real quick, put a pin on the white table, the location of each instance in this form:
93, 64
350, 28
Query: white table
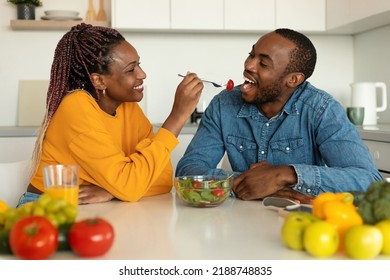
162, 228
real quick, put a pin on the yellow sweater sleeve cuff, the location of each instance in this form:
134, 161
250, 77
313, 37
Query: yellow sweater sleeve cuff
166, 137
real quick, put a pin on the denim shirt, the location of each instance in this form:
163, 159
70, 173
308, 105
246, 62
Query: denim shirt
312, 134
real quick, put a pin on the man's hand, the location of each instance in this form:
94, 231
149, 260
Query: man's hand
263, 179
289, 193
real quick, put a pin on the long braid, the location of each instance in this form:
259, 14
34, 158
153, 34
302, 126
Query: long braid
83, 50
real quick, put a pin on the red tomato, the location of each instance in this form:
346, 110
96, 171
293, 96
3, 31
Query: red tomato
91, 237
218, 192
33, 238
229, 85
197, 185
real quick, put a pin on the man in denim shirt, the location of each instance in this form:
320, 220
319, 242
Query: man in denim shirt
283, 137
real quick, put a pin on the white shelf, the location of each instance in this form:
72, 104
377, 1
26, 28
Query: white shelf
50, 24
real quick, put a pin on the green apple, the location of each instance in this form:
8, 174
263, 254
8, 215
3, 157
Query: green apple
363, 242
293, 228
384, 227
321, 239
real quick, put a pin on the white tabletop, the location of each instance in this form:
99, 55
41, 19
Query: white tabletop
162, 228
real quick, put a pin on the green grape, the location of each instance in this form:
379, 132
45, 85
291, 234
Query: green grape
26, 209
9, 223
53, 219
2, 219
55, 205
9, 217
57, 210
11, 213
71, 213
61, 218
38, 210
43, 200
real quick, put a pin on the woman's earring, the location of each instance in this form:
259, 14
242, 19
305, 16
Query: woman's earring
104, 92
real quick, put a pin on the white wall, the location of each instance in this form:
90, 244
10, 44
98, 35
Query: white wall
27, 55
372, 61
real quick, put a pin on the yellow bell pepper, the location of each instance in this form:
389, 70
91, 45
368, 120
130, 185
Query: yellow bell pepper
338, 210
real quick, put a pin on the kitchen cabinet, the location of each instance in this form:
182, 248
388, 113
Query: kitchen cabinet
184, 141
197, 15
218, 15
354, 16
247, 15
167, 14
377, 140
178, 152
145, 14
380, 152
14, 149
360, 9
337, 13
302, 15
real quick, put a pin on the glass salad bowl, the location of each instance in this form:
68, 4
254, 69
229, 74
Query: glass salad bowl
203, 190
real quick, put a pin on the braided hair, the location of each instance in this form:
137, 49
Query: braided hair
83, 50
303, 58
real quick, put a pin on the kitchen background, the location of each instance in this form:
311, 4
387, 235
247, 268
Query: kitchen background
352, 38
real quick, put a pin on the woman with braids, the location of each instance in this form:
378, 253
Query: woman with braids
93, 120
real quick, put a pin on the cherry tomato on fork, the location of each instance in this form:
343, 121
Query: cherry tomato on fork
229, 85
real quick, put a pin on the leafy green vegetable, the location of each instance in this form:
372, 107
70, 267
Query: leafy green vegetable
207, 195
4, 242
63, 232
375, 204
191, 196
186, 183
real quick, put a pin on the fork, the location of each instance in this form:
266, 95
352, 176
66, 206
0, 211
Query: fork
207, 81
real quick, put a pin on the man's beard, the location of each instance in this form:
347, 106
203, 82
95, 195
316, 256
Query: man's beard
267, 94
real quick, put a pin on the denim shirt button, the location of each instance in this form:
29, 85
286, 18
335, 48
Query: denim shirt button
241, 146
266, 124
287, 148
299, 188
308, 190
262, 152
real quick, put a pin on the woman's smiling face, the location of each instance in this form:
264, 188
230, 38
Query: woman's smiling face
124, 83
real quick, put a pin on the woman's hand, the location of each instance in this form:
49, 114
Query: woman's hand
186, 98
93, 194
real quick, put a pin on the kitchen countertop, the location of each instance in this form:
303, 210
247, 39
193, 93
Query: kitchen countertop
189, 128
19, 131
32, 131
161, 228
380, 132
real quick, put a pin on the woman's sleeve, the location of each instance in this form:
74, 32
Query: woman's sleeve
147, 171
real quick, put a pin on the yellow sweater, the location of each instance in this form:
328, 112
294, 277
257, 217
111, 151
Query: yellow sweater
118, 153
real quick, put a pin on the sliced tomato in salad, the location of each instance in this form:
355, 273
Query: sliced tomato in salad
218, 192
